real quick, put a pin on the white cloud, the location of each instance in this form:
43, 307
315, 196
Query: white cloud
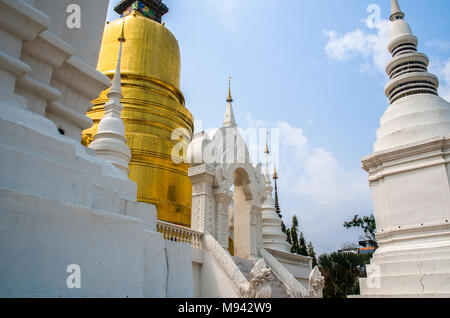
442, 70
371, 46
317, 176
317, 188
439, 44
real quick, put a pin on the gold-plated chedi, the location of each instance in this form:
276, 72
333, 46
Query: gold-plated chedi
153, 108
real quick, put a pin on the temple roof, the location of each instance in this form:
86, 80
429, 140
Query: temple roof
152, 9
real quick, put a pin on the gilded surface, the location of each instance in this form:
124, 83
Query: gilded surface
153, 109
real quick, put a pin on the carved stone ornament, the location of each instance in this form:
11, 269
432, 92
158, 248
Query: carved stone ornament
259, 285
316, 283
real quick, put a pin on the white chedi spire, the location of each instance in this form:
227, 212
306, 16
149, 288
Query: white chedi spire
110, 142
273, 236
396, 11
229, 114
416, 111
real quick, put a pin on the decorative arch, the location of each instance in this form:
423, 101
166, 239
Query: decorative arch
212, 178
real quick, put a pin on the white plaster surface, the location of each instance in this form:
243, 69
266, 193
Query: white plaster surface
59, 203
410, 181
41, 237
214, 283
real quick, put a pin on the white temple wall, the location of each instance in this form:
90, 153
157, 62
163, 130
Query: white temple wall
84, 40
180, 283
39, 238
87, 43
197, 264
155, 272
213, 282
404, 188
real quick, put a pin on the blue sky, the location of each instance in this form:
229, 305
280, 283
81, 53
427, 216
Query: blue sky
313, 69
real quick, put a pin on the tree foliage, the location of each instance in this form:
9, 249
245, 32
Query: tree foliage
283, 228
297, 240
342, 272
288, 236
294, 235
302, 249
366, 223
312, 254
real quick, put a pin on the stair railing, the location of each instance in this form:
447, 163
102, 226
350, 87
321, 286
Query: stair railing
176, 233
226, 262
294, 288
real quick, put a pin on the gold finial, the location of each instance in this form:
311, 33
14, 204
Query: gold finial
122, 35
267, 143
275, 176
229, 99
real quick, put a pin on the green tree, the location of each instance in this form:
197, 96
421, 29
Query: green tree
341, 272
283, 228
296, 239
295, 248
302, 249
288, 236
312, 254
366, 223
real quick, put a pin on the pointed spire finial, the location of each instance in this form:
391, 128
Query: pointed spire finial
396, 12
277, 204
122, 34
229, 114
229, 99
116, 87
110, 141
267, 152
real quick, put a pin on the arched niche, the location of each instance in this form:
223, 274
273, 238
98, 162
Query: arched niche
216, 181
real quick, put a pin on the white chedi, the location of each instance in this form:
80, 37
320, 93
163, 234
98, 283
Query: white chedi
110, 142
408, 175
416, 111
273, 236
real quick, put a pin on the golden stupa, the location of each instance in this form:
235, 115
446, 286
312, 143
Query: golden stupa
154, 107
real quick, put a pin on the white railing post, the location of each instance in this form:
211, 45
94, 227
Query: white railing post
180, 234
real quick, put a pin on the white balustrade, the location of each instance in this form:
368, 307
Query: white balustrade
176, 233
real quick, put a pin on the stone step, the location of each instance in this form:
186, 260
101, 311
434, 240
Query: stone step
245, 266
243, 260
279, 293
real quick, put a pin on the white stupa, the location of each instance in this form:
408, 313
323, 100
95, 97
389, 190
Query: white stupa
409, 174
273, 236
110, 142
416, 112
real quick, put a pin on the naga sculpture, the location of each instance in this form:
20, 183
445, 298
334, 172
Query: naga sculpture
259, 285
316, 283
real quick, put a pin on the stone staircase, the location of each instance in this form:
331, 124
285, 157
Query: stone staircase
246, 266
